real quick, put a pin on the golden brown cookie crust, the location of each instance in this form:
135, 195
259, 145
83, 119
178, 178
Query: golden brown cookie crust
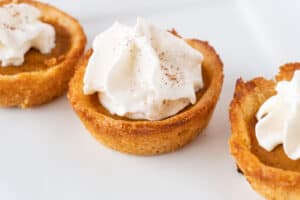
271, 174
26, 89
150, 137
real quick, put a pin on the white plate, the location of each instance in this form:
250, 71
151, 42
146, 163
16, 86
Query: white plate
46, 153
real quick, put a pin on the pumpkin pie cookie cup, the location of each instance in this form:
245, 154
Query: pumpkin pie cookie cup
42, 77
144, 137
272, 174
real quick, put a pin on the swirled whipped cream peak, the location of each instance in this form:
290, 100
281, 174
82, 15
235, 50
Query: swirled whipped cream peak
20, 30
143, 72
279, 117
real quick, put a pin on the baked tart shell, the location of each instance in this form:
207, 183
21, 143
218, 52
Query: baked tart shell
37, 86
143, 137
272, 174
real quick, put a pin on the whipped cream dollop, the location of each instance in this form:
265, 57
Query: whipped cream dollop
279, 117
20, 30
143, 72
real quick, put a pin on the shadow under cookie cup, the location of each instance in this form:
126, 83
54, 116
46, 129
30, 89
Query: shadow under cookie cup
272, 174
144, 137
43, 77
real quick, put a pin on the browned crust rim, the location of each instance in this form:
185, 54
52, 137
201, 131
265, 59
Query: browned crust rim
240, 145
192, 120
27, 89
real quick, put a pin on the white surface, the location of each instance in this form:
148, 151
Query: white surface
46, 153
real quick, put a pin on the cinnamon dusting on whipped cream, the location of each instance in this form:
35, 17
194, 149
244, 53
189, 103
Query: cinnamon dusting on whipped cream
143, 72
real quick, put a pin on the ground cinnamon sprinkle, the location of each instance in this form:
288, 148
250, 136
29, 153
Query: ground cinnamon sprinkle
16, 14
7, 26
172, 77
172, 73
161, 56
